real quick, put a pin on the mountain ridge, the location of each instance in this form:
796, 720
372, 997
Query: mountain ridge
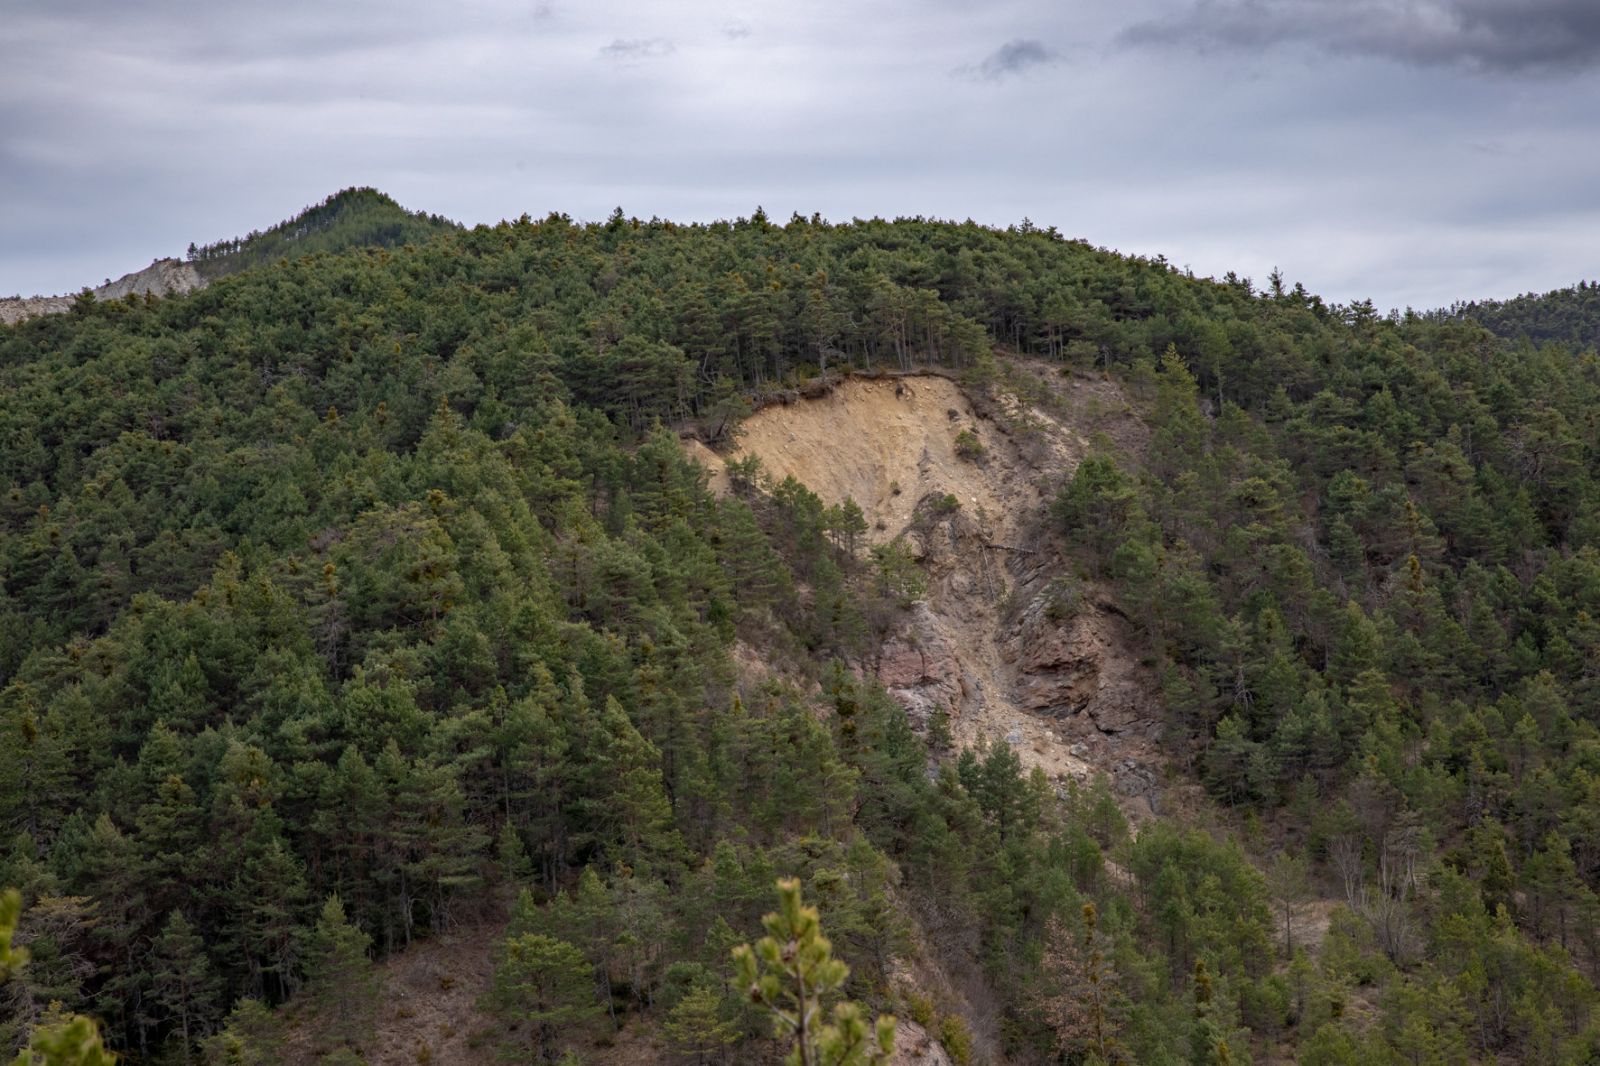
356, 217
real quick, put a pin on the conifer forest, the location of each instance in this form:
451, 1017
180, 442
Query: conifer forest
375, 603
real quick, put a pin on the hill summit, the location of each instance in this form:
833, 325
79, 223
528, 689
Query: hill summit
349, 219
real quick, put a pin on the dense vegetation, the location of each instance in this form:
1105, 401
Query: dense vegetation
350, 218
357, 592
1569, 316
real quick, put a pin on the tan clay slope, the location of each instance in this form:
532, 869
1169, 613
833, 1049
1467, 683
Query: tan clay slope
871, 437
1064, 689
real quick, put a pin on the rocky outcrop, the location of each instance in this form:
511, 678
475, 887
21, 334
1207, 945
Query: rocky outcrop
1075, 663
920, 668
163, 277
914, 1046
1079, 664
16, 308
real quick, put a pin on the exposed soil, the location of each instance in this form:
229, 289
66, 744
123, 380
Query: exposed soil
1008, 643
885, 443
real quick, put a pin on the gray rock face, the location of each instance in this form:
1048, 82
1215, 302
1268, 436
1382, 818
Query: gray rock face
164, 277
16, 308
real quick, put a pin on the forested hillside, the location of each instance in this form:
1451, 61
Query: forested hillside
359, 596
350, 218
1570, 316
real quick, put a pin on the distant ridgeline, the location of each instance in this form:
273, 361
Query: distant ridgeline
164, 277
346, 221
1567, 316
352, 218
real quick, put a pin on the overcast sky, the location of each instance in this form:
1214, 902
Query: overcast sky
1411, 151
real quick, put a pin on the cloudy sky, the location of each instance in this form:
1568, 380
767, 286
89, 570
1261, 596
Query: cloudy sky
1411, 151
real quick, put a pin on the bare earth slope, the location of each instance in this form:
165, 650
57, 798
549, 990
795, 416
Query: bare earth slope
885, 443
1008, 642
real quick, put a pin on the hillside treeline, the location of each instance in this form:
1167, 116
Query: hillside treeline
350, 218
1568, 316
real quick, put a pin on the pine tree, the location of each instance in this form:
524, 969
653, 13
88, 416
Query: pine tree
696, 1028
625, 800
170, 835
268, 897
347, 825
58, 1039
792, 973
35, 769
65, 1040
182, 982
1208, 1045
442, 845
253, 1036
1080, 1002
1287, 882
545, 988
114, 872
511, 856
11, 958
339, 975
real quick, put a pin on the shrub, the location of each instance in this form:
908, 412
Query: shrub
956, 1038
920, 1009
1063, 600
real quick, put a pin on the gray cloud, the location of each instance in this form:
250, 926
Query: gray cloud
1501, 36
1011, 58
133, 129
631, 50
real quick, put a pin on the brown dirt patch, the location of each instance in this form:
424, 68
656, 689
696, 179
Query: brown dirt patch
431, 996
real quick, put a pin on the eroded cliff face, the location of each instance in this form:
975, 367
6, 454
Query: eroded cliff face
1013, 648
164, 277
16, 308
1009, 643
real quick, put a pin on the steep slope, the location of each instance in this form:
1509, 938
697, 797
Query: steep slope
1007, 643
